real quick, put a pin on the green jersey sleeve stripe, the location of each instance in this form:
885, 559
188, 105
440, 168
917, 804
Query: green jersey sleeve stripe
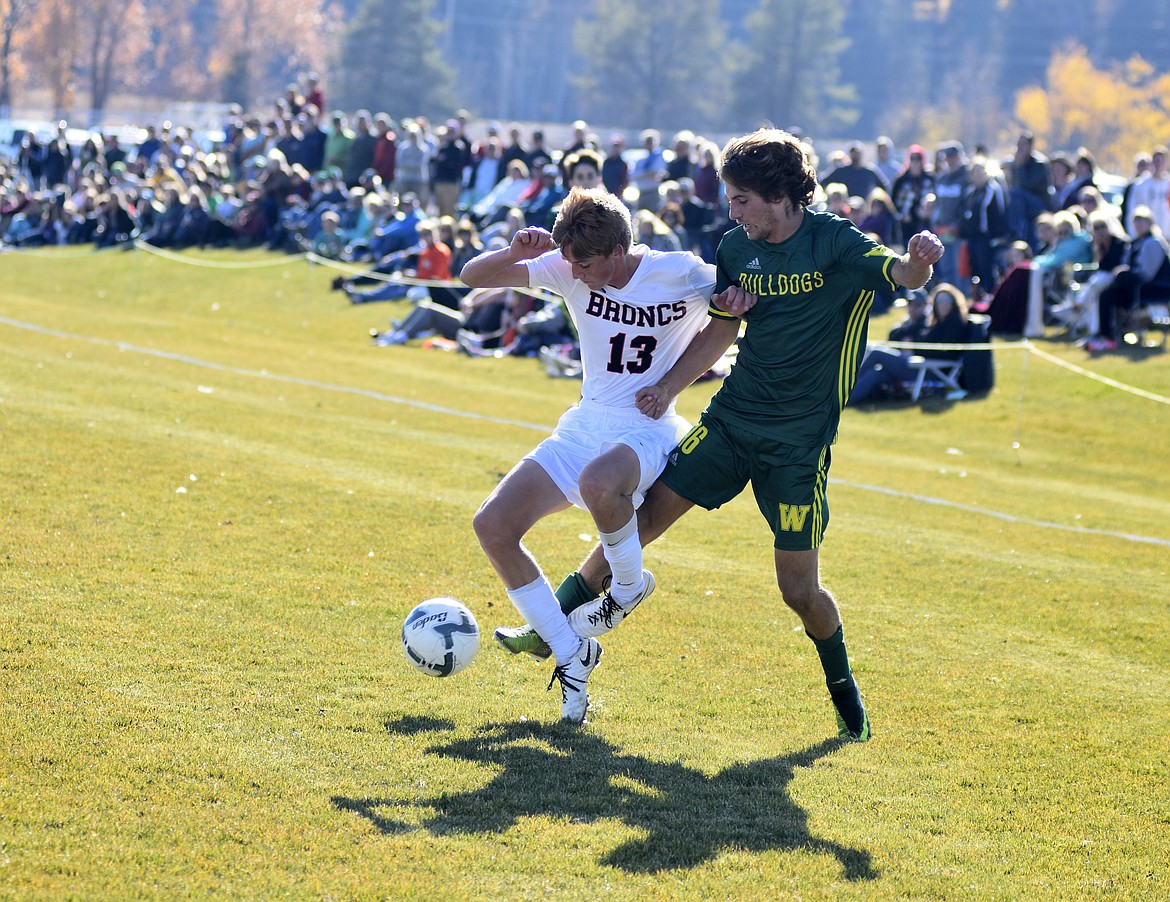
853, 346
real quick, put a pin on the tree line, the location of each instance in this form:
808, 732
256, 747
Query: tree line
1077, 72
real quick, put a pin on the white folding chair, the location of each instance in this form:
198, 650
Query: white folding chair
935, 372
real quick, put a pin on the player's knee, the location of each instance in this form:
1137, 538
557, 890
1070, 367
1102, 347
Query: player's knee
594, 488
491, 527
802, 597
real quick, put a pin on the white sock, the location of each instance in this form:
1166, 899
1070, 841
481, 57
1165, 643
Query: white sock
539, 606
623, 551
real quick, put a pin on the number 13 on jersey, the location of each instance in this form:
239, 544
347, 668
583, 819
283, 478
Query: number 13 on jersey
641, 345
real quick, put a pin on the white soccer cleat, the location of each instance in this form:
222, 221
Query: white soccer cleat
601, 615
574, 676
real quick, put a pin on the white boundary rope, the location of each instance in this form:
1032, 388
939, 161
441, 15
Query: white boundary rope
1024, 344
1105, 380
367, 273
217, 264
968, 346
463, 414
1029, 346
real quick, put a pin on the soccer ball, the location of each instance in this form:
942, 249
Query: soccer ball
440, 637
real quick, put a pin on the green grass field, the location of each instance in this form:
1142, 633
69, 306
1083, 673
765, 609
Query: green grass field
219, 501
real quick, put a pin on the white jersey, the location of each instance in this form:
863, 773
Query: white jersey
630, 337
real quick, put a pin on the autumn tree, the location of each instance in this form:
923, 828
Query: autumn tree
789, 72
112, 37
178, 62
87, 50
14, 19
390, 60
1116, 111
261, 45
666, 69
52, 48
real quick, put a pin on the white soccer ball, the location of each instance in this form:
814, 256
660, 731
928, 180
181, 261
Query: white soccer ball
440, 637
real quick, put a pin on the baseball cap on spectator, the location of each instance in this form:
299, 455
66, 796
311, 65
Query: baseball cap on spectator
550, 169
953, 149
917, 296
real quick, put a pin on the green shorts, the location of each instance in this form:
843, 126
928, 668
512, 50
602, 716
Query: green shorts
715, 460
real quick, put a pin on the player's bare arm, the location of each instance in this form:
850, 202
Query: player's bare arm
701, 354
913, 268
505, 268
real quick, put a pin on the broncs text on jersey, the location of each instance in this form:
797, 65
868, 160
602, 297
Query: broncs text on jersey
628, 315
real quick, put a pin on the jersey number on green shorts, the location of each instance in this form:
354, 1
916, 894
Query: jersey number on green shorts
691, 440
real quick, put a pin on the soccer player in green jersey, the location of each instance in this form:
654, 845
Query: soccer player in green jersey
811, 277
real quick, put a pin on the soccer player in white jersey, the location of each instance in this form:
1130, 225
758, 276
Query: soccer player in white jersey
636, 310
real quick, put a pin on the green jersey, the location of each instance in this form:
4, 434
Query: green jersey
805, 336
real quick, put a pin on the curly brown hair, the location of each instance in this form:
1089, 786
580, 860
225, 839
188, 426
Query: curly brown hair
771, 163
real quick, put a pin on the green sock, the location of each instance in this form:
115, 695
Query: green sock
834, 660
573, 592
839, 678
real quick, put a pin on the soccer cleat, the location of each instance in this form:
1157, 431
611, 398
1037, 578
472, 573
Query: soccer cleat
573, 678
516, 639
601, 615
862, 735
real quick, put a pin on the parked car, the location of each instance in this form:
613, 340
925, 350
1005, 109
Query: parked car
12, 133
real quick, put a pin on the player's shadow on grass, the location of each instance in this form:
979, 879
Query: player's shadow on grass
686, 816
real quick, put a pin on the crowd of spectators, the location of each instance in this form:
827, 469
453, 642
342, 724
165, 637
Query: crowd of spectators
417, 199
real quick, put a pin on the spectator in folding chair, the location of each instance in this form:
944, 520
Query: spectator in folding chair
886, 371
1079, 311
917, 321
1072, 247
1143, 275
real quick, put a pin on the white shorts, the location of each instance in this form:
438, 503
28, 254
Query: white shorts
586, 431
